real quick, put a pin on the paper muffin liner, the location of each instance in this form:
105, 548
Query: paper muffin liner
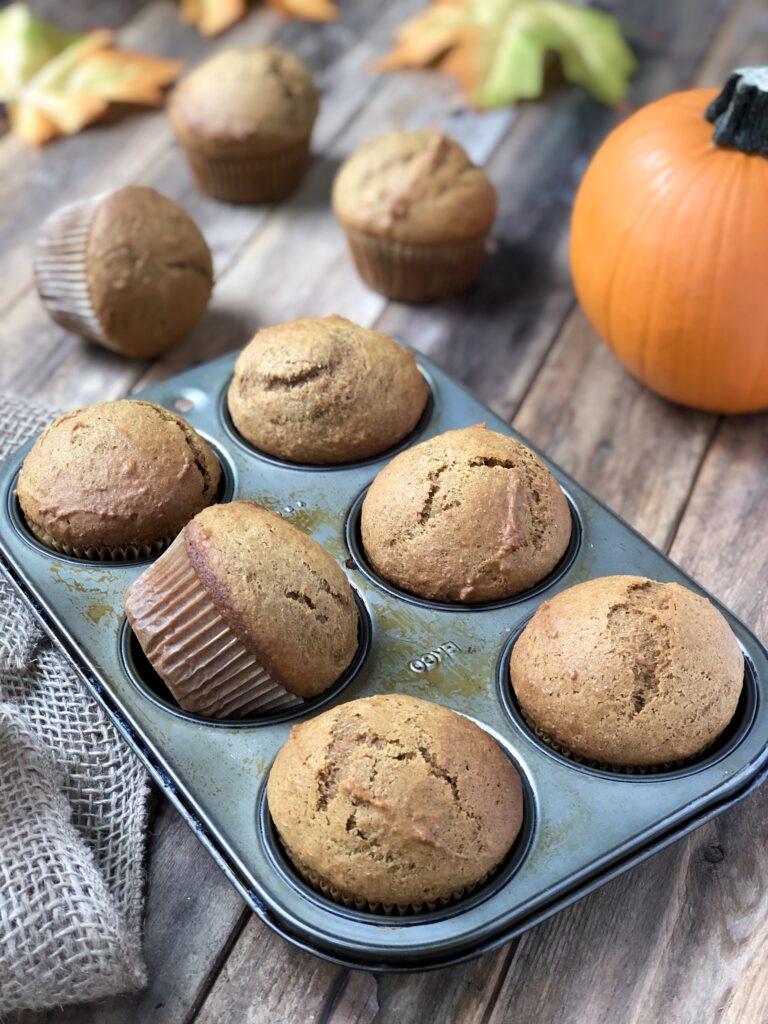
250, 179
61, 272
204, 664
621, 769
101, 553
416, 273
388, 909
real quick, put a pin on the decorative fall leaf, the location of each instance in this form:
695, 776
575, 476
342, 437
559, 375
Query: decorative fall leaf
55, 83
214, 16
497, 48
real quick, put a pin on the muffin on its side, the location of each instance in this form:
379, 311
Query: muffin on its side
417, 213
116, 480
244, 119
325, 391
244, 614
130, 270
628, 672
470, 515
394, 803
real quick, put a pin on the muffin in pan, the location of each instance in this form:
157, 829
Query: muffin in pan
117, 480
244, 119
244, 614
626, 672
394, 803
325, 391
417, 213
468, 516
129, 270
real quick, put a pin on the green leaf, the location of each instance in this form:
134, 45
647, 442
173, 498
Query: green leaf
26, 44
588, 42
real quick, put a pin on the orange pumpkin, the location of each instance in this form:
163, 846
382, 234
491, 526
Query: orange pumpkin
669, 245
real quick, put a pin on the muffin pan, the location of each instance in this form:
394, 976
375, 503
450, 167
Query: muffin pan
583, 825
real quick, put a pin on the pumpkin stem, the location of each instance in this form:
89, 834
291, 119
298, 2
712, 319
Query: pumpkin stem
740, 112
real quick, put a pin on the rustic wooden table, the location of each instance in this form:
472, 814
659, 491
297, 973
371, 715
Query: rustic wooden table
679, 939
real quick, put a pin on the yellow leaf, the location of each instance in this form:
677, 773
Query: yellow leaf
310, 10
75, 88
497, 48
212, 16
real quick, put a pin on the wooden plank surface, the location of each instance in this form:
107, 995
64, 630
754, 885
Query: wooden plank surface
678, 939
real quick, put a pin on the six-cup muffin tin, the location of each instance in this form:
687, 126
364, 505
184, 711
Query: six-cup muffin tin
582, 825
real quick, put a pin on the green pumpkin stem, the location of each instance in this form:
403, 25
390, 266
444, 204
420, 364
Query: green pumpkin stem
740, 112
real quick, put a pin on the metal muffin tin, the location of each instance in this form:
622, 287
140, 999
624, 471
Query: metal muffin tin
582, 826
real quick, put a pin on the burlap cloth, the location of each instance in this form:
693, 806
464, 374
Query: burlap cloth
73, 804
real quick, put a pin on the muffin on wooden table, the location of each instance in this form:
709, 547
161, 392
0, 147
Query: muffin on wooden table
417, 213
325, 391
470, 515
394, 803
130, 270
244, 614
117, 480
244, 119
628, 672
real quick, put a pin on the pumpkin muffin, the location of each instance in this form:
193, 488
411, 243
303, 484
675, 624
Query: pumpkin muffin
325, 391
244, 119
417, 213
470, 515
129, 270
394, 803
116, 480
244, 613
628, 672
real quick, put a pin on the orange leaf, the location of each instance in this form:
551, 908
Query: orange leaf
422, 39
310, 10
212, 16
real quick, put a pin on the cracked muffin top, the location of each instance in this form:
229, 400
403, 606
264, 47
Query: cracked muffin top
325, 391
470, 515
394, 801
117, 475
262, 99
149, 271
278, 590
418, 188
628, 672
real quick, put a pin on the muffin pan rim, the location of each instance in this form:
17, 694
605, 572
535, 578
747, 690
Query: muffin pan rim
356, 548
501, 876
707, 758
55, 587
291, 715
412, 437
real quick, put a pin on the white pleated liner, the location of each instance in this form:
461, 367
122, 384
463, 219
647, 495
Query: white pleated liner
61, 270
204, 664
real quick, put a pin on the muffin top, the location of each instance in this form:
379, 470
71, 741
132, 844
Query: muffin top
149, 270
262, 98
116, 474
282, 594
470, 515
394, 800
325, 391
418, 188
626, 671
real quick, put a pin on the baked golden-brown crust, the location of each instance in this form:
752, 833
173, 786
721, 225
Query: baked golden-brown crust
279, 591
325, 391
470, 515
148, 269
417, 188
256, 101
116, 474
394, 800
629, 672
